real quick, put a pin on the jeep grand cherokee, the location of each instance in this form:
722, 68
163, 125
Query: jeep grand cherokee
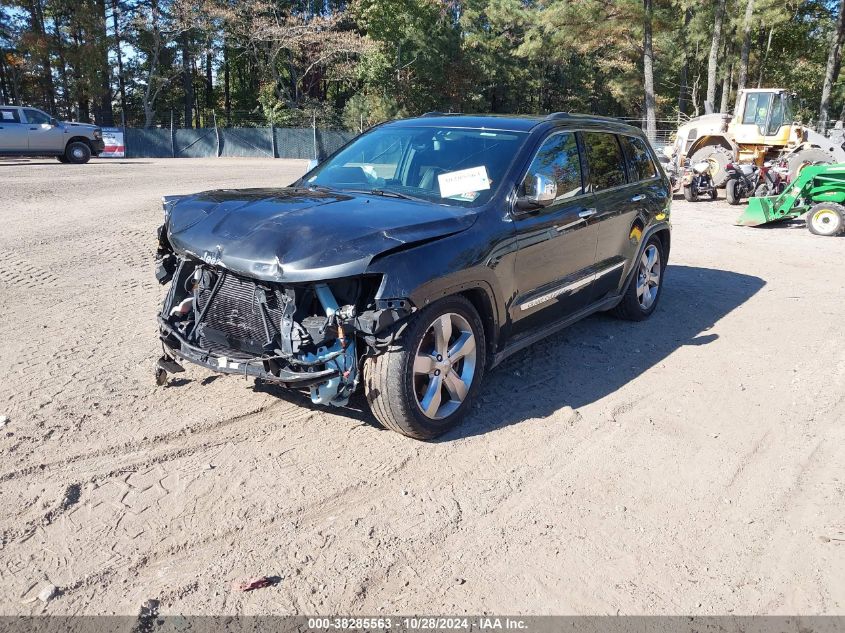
415, 259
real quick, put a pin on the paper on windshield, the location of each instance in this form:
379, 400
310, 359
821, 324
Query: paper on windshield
463, 182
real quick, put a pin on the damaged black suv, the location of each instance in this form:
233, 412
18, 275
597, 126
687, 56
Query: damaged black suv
416, 258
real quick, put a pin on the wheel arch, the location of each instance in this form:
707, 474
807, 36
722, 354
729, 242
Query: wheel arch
79, 139
483, 302
716, 140
660, 231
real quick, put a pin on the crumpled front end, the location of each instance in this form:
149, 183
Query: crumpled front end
305, 335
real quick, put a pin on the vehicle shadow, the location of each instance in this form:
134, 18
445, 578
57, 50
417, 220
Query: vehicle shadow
596, 357
589, 360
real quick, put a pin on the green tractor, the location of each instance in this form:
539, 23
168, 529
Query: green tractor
818, 191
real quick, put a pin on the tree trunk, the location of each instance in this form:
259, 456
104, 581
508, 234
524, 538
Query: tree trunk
187, 81
764, 58
713, 61
209, 84
105, 111
60, 48
834, 59
727, 82
648, 71
684, 79
745, 53
121, 79
5, 95
227, 94
36, 12
150, 94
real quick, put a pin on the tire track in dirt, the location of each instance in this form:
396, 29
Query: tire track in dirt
194, 433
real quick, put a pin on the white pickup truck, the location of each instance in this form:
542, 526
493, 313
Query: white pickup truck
32, 132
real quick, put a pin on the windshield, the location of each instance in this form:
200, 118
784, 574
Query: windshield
452, 166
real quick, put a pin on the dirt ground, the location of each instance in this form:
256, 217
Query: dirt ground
693, 463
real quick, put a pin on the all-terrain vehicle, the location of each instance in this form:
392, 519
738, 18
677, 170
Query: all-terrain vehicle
697, 182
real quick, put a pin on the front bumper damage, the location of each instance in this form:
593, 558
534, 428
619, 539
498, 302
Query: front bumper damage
303, 336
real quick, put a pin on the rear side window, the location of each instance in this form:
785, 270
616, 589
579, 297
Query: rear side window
9, 115
640, 164
557, 159
604, 156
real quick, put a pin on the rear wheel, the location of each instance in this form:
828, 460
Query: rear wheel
808, 156
62, 158
689, 194
826, 218
718, 157
731, 192
643, 293
78, 153
424, 386
763, 191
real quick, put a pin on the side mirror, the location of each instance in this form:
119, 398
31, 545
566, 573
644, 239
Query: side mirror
544, 194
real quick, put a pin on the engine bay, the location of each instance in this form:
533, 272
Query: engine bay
309, 335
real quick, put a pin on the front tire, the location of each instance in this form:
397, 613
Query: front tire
424, 385
731, 193
826, 219
78, 153
644, 291
689, 194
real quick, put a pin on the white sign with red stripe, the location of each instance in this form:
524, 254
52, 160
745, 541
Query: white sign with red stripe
113, 139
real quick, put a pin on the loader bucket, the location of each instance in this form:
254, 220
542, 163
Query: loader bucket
759, 211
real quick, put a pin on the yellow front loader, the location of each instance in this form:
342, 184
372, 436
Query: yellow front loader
761, 129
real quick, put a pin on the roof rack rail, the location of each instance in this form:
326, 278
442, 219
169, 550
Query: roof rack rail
436, 113
571, 115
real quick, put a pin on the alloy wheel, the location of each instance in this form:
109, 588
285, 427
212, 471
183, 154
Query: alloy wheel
648, 277
444, 366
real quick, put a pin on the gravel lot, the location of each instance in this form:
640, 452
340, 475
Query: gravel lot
694, 463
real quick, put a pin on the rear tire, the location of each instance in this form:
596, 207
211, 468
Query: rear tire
826, 219
644, 290
62, 159
689, 194
424, 385
719, 157
78, 153
809, 156
731, 192
763, 191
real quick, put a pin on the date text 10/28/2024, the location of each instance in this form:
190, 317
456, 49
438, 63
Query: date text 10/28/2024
423, 623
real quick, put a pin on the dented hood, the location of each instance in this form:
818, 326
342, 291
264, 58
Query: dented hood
290, 235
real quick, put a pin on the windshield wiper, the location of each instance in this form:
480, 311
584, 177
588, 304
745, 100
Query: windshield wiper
383, 192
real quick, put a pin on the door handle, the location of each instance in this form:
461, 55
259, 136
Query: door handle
33, 128
587, 213
638, 198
